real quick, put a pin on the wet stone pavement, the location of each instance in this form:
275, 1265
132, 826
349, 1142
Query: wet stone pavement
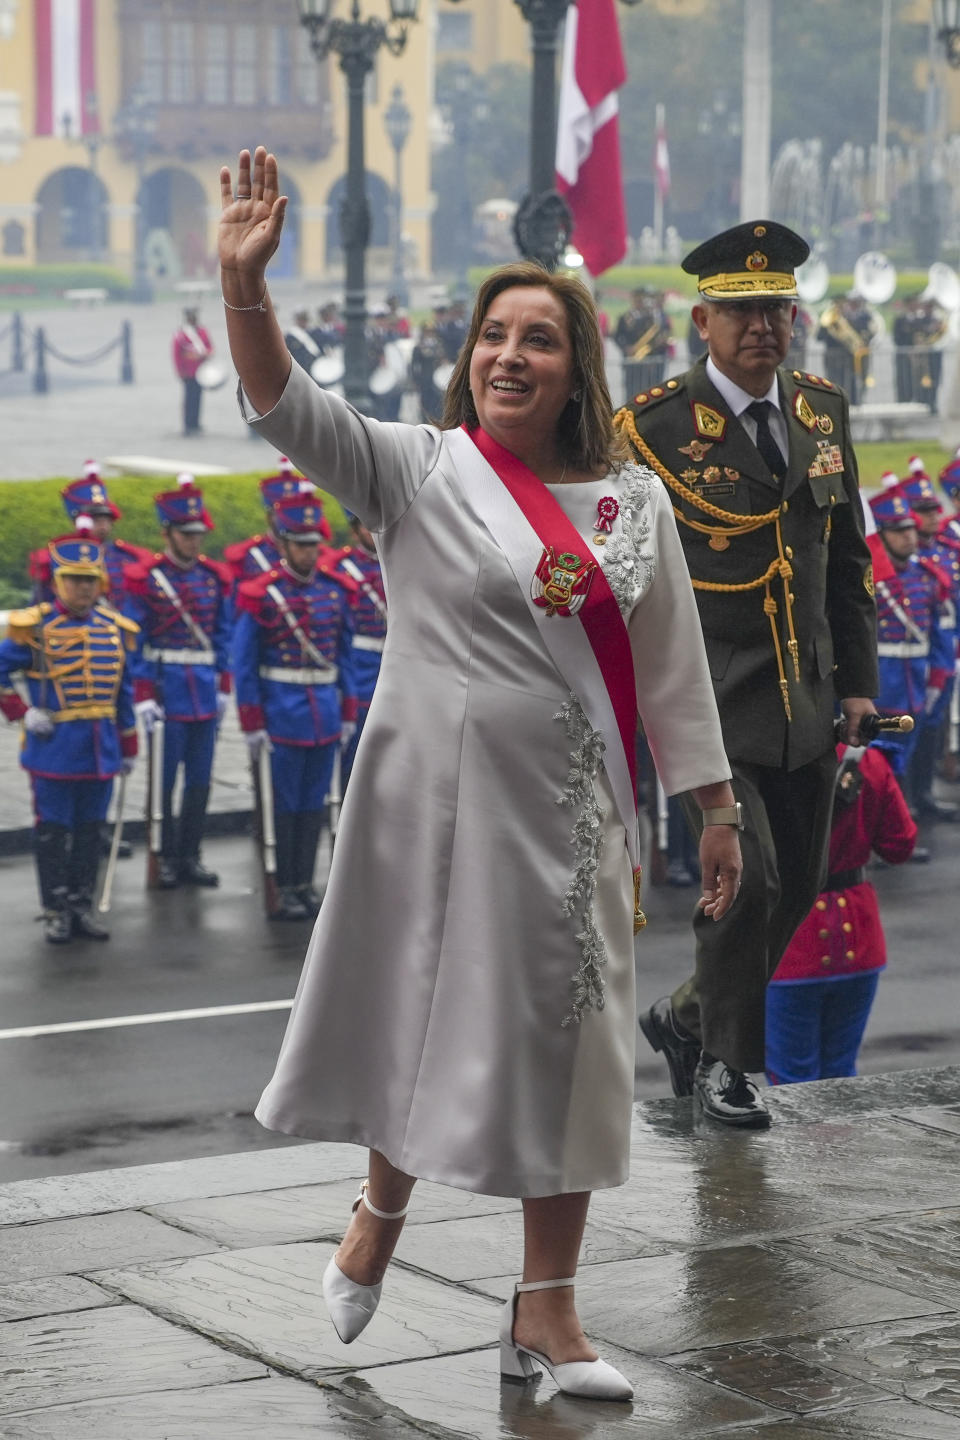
796, 1284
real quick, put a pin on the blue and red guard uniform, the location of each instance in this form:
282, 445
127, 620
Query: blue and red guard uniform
77, 670
298, 694
260, 553
88, 498
369, 633
819, 999
184, 666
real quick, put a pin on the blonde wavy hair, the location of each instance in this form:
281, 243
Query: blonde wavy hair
585, 428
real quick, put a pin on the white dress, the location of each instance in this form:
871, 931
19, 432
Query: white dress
467, 1003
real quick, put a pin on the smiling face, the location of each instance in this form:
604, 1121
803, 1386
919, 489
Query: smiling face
747, 339
521, 368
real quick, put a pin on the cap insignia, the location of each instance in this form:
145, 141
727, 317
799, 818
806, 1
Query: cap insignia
757, 261
759, 231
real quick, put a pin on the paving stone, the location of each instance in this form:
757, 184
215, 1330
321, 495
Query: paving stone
464, 1394
268, 1302
918, 1358
271, 1409
898, 1420
933, 1117
105, 1353
66, 1247
96, 1192
701, 1298
52, 1295
916, 1253
726, 1187
312, 1212
777, 1378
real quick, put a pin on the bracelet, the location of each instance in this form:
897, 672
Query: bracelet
240, 308
724, 815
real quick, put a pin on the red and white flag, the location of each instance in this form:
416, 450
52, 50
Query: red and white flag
588, 136
661, 156
64, 34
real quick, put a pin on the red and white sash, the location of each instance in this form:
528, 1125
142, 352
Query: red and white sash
591, 649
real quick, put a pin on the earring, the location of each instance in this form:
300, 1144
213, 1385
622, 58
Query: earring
577, 396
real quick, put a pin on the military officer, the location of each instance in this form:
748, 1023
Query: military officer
260, 553
79, 729
295, 690
88, 497
943, 551
761, 471
361, 564
181, 601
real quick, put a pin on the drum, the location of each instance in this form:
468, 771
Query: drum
328, 369
442, 374
210, 375
383, 380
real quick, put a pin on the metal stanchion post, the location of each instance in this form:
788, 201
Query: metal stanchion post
17, 361
40, 382
126, 355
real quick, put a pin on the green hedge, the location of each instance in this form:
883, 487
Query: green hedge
52, 280
31, 513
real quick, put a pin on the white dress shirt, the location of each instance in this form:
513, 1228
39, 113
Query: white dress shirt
737, 401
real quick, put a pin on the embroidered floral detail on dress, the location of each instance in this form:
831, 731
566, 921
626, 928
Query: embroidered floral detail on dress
628, 561
586, 838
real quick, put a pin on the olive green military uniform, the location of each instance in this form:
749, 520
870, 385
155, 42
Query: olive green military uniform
785, 591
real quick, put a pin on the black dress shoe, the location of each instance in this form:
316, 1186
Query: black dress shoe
290, 907
681, 1050
57, 928
192, 872
730, 1096
168, 876
920, 856
85, 927
930, 809
311, 898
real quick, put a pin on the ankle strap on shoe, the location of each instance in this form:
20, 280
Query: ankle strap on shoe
525, 1285
380, 1214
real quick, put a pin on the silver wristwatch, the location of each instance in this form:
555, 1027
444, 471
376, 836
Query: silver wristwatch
725, 815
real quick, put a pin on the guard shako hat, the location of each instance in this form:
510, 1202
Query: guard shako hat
754, 261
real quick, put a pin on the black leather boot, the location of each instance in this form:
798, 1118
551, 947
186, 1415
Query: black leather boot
82, 881
193, 812
50, 846
168, 867
289, 905
308, 830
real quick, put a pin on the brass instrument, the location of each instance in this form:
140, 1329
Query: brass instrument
644, 345
833, 320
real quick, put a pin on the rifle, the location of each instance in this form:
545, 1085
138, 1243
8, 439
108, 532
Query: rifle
263, 791
154, 803
104, 903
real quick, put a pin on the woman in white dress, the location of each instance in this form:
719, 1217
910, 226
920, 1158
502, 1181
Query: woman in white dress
467, 1007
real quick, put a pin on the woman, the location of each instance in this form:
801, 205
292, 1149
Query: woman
467, 1007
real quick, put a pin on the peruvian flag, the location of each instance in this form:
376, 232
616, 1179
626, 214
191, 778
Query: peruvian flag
661, 156
65, 71
588, 137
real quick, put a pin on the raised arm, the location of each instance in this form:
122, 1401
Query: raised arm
250, 225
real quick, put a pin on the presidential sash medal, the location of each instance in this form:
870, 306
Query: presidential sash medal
561, 582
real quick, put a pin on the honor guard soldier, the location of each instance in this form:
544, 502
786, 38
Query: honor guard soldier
192, 346
88, 498
295, 692
950, 485
79, 729
260, 553
643, 335
362, 564
763, 479
181, 670
915, 648
944, 552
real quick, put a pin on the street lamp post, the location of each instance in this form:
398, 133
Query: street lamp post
136, 123
92, 138
356, 42
397, 119
543, 222
946, 19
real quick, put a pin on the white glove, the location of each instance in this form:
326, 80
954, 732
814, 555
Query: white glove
223, 705
127, 764
348, 729
38, 722
148, 712
931, 698
255, 741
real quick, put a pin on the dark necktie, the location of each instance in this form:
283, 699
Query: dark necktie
769, 449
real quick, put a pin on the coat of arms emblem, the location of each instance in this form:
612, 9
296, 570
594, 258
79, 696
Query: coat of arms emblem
561, 582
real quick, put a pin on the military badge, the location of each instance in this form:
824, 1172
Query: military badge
690, 477
719, 542
804, 411
868, 581
561, 582
829, 460
712, 474
708, 422
696, 450
731, 474
825, 424
756, 261
607, 511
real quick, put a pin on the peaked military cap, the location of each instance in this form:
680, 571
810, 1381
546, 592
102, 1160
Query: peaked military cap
754, 261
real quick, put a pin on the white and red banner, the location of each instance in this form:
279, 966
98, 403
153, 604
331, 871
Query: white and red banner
64, 35
661, 156
588, 136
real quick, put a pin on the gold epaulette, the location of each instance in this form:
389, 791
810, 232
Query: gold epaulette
129, 627
819, 382
22, 623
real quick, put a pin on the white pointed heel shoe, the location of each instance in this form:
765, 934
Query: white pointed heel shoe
352, 1306
592, 1379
